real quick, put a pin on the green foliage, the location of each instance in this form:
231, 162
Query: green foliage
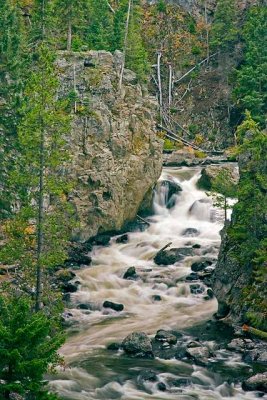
100, 26
136, 54
12, 64
171, 145
248, 230
28, 347
251, 78
223, 188
224, 31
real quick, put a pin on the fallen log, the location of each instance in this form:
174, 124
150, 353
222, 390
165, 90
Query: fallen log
256, 332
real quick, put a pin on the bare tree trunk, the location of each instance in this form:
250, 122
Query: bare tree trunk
159, 80
170, 85
69, 34
207, 33
125, 42
40, 216
225, 208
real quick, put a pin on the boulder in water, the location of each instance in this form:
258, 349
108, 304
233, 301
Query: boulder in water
131, 274
199, 354
190, 232
200, 265
70, 287
256, 382
172, 188
156, 297
165, 336
114, 346
123, 238
138, 344
169, 257
113, 306
147, 375
162, 387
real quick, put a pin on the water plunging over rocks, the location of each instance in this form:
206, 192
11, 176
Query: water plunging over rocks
163, 342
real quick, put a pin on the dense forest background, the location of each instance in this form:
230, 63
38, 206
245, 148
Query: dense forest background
34, 122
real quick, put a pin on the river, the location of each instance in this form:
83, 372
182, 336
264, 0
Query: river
160, 299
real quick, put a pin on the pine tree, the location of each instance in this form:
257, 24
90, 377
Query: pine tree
28, 347
37, 235
71, 16
12, 68
136, 54
251, 81
224, 32
100, 26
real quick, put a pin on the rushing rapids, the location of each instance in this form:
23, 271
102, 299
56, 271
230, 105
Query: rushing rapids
160, 298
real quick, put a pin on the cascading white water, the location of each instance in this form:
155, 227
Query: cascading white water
94, 372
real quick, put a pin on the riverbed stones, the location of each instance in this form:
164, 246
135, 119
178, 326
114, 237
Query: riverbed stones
172, 189
197, 288
70, 287
200, 265
171, 256
138, 344
162, 387
148, 375
156, 297
256, 382
190, 232
199, 354
165, 337
113, 306
123, 238
131, 274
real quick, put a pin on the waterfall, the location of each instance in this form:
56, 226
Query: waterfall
94, 372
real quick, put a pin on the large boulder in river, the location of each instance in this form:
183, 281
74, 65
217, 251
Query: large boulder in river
169, 257
138, 344
256, 382
211, 172
116, 155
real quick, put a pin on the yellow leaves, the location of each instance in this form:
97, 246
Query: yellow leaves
30, 230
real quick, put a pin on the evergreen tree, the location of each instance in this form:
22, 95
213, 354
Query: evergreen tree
222, 189
28, 347
37, 236
251, 85
248, 230
224, 32
71, 16
100, 26
12, 68
136, 54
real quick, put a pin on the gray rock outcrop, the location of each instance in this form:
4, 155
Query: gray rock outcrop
115, 153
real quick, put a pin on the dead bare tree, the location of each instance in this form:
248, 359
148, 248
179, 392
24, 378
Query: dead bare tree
125, 42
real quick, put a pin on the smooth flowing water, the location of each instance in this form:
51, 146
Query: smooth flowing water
93, 372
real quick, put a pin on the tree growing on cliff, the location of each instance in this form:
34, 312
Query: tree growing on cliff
222, 189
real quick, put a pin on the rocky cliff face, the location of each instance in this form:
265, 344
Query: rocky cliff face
116, 155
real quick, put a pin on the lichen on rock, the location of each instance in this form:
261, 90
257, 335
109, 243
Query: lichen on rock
116, 157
